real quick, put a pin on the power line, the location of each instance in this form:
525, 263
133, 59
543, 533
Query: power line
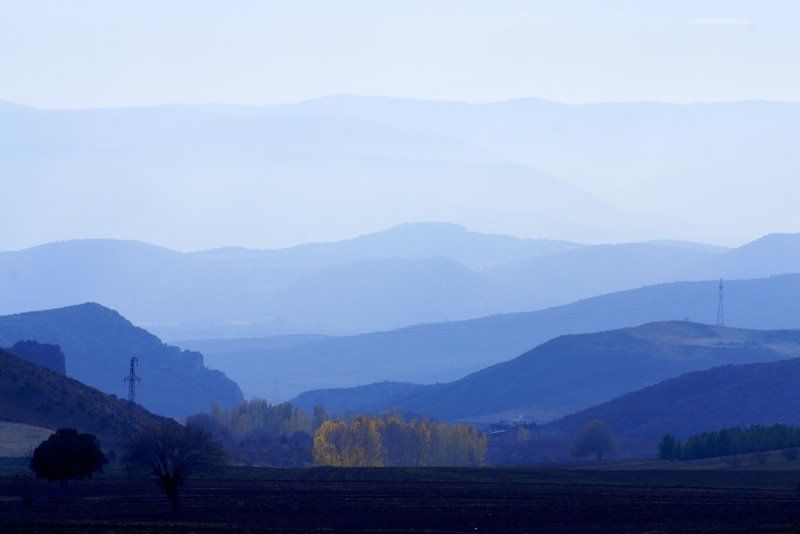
720, 307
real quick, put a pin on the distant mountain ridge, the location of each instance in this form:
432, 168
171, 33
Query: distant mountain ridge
448, 351
528, 165
636, 153
98, 344
768, 255
249, 292
418, 273
412, 240
573, 372
280, 169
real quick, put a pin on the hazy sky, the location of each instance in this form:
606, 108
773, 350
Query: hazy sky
90, 53
108, 53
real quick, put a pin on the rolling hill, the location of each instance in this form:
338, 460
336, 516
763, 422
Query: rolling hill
246, 292
36, 396
417, 273
267, 175
768, 255
359, 284
722, 397
573, 372
414, 273
444, 352
98, 344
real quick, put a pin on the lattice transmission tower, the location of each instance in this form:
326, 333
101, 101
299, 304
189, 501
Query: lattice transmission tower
132, 379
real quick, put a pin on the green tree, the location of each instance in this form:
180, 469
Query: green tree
594, 438
67, 455
735, 441
173, 453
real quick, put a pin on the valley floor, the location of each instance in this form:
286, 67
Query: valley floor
422, 500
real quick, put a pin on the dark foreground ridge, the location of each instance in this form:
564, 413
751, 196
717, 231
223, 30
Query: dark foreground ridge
425, 500
33, 395
98, 344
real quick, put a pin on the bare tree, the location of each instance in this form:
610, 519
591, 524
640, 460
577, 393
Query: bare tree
173, 453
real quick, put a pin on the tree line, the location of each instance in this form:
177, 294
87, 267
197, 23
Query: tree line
258, 415
730, 441
285, 435
389, 440
258, 432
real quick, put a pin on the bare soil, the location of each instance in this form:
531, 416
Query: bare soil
419, 500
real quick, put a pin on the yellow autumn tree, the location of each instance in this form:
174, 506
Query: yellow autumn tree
329, 444
389, 440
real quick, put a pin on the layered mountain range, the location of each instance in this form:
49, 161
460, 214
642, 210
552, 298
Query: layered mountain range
412, 274
570, 373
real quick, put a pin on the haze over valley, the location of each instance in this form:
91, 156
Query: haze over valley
216, 175
357, 266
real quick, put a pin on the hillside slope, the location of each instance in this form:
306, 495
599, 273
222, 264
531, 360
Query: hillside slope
769, 255
98, 344
727, 396
444, 352
573, 372
36, 396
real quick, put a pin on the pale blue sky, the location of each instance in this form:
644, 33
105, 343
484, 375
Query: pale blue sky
97, 53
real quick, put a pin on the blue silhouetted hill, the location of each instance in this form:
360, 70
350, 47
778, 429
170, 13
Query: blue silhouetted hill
573, 372
721, 397
98, 344
42, 354
444, 352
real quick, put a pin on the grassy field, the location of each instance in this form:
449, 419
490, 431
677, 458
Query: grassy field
419, 500
17, 440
